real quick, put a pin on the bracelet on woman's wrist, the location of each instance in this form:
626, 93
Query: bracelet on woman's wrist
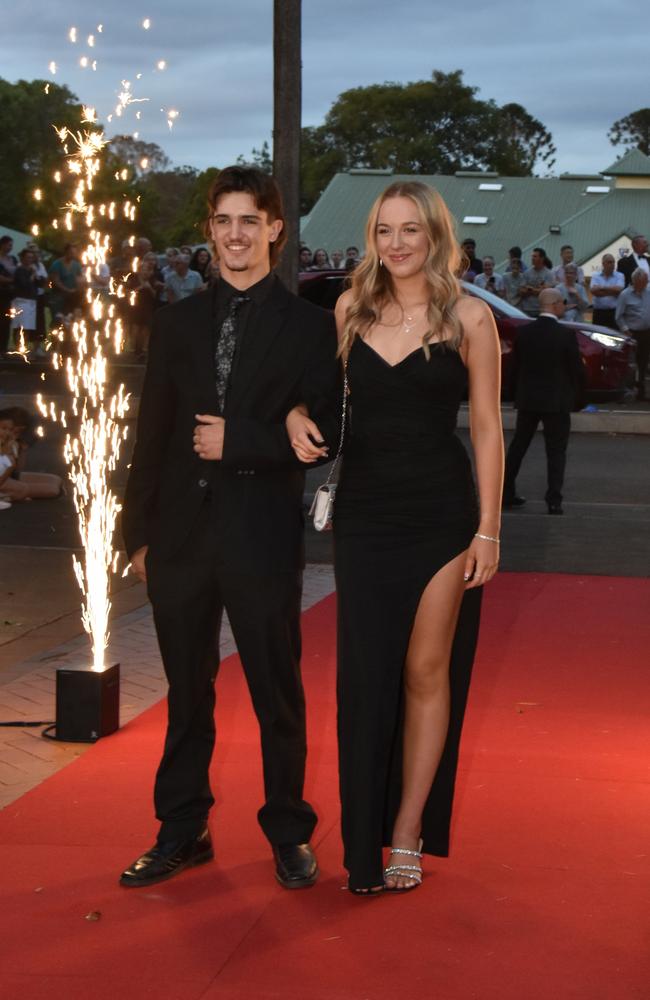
487, 538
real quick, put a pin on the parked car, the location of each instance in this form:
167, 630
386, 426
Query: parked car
608, 356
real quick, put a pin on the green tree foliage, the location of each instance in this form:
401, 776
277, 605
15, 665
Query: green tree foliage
519, 142
632, 131
163, 207
30, 150
260, 158
141, 157
428, 126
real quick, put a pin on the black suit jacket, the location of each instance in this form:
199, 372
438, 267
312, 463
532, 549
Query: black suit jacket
548, 375
627, 265
257, 487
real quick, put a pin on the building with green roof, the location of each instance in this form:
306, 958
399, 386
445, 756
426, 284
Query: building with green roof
595, 213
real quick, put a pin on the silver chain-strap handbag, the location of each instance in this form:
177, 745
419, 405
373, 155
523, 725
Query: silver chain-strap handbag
322, 507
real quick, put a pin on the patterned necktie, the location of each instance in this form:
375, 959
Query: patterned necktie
226, 347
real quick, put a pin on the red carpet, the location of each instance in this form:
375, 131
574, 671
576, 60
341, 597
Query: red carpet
546, 895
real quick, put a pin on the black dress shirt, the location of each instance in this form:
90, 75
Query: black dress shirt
248, 315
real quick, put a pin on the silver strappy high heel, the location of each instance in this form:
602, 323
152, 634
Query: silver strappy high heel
413, 872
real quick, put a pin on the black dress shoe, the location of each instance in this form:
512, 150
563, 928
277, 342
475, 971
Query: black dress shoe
295, 865
167, 859
513, 501
555, 508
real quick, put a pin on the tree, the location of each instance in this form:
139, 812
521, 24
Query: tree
186, 222
260, 158
30, 151
164, 196
141, 157
520, 142
632, 131
428, 126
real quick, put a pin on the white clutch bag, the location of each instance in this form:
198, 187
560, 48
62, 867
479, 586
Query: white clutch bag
322, 506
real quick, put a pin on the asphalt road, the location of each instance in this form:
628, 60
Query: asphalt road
605, 529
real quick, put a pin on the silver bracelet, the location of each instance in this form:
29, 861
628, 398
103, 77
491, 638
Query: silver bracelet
487, 538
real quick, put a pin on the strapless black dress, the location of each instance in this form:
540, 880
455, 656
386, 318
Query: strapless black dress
405, 506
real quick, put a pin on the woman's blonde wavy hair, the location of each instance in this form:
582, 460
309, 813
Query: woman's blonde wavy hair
372, 286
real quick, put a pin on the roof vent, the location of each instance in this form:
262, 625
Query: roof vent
597, 189
490, 187
476, 173
475, 220
368, 170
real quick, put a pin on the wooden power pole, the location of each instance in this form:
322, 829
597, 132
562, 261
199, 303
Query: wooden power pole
287, 106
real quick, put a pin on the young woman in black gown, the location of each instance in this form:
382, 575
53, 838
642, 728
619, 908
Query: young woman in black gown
413, 543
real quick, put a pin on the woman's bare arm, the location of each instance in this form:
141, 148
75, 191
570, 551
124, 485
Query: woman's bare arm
482, 355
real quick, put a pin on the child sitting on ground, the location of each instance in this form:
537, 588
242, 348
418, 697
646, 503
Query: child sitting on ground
16, 483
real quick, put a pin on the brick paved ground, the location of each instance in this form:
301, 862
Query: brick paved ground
27, 690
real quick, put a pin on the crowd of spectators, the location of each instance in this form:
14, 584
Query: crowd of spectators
34, 297
618, 293
321, 260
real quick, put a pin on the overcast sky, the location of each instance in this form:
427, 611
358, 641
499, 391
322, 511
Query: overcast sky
576, 67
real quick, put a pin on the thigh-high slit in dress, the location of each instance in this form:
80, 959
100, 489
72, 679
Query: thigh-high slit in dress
405, 506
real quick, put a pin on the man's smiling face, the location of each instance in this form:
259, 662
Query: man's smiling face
242, 234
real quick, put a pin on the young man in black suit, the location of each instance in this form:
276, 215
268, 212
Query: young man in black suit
547, 378
212, 519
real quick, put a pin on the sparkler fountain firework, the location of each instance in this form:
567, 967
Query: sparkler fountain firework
92, 450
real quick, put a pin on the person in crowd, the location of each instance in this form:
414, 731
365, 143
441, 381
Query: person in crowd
351, 258
171, 255
142, 247
474, 263
8, 265
167, 270
638, 257
337, 257
406, 500
547, 380
120, 265
513, 282
633, 317
183, 282
515, 253
24, 305
489, 279
320, 260
214, 504
42, 298
573, 293
66, 278
605, 287
567, 254
537, 277
8, 458
200, 262
16, 429
145, 290
305, 258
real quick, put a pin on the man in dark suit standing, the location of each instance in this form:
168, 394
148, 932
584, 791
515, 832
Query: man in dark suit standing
637, 258
547, 380
212, 519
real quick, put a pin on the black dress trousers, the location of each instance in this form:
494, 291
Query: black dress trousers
557, 428
188, 592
